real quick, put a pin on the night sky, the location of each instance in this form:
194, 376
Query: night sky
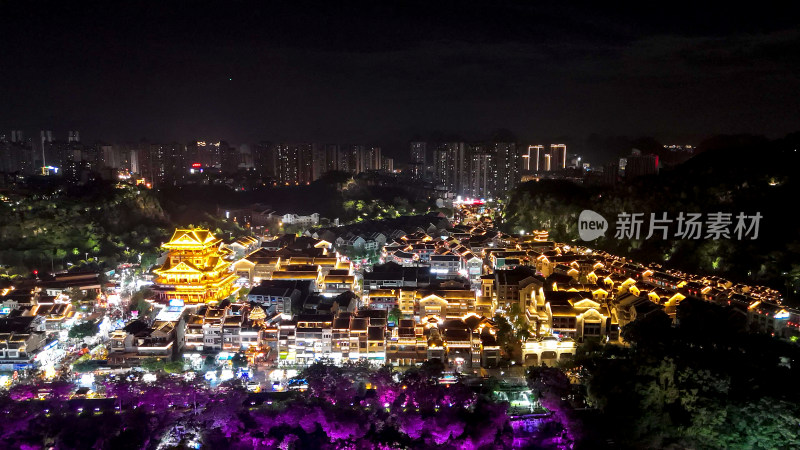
385, 72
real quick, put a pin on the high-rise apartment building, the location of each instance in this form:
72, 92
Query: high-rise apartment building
166, 163
640, 165
157, 163
304, 163
112, 156
286, 165
62, 154
477, 170
47, 152
444, 166
204, 153
532, 161
373, 159
264, 159
506, 166
134, 159
331, 161
17, 155
419, 160
294, 164
326, 159
230, 158
558, 157
353, 158
449, 166
387, 164
91, 157
481, 176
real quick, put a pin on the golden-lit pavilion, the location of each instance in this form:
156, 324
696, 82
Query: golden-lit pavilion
195, 270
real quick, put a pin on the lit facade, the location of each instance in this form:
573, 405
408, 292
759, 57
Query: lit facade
548, 350
195, 270
558, 157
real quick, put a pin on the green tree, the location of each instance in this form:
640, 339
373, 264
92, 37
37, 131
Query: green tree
173, 367
432, 368
84, 366
153, 364
85, 329
239, 361
520, 322
505, 333
649, 332
765, 423
395, 315
138, 302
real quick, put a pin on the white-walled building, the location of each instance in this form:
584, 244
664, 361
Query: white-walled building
306, 221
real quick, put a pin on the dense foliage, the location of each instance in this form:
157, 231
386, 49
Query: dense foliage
84, 329
55, 225
704, 384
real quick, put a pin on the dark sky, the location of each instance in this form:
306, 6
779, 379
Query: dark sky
384, 71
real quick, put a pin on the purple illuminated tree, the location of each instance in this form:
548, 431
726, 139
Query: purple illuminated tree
222, 411
552, 387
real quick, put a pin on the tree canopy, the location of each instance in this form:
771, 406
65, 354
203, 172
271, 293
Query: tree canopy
84, 329
706, 383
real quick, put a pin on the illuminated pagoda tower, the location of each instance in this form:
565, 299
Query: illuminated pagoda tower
195, 270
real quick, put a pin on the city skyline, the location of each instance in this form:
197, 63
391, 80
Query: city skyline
40, 145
